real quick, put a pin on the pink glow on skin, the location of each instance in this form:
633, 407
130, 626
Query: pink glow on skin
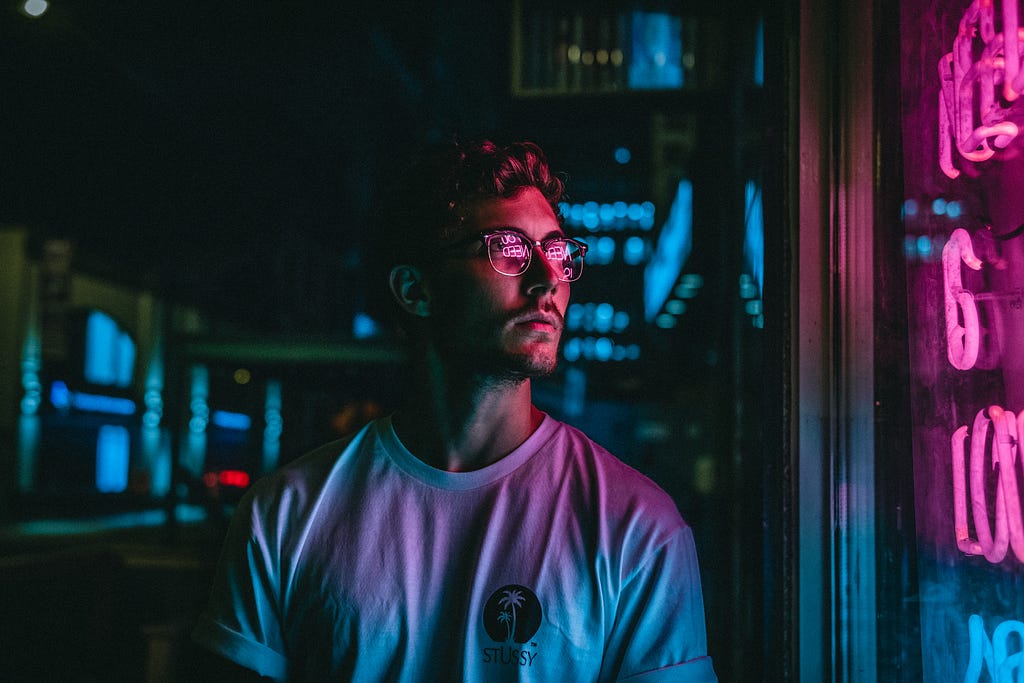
532, 304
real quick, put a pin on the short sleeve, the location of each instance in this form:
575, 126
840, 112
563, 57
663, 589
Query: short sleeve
242, 621
659, 632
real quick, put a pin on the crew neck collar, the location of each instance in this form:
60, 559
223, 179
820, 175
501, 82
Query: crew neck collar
462, 481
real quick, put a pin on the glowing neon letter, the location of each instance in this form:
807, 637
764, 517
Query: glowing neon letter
970, 85
962, 341
556, 253
993, 653
1009, 523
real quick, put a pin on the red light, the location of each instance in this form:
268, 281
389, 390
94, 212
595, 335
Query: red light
236, 478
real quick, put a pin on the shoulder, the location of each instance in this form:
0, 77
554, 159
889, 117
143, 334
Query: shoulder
296, 487
621, 491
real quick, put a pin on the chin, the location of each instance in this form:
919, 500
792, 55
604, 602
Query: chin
533, 366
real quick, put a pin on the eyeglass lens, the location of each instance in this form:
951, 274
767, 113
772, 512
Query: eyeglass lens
510, 254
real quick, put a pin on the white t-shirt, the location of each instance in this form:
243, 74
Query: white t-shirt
556, 563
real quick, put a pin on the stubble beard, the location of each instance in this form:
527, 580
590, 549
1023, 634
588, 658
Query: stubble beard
500, 367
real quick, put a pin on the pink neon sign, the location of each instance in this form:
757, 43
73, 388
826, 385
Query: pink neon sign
999, 453
979, 92
962, 340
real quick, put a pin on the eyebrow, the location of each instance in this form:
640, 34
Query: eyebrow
512, 228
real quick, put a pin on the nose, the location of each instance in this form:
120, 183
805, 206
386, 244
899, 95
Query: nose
541, 277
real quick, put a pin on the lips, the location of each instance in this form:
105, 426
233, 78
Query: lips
538, 320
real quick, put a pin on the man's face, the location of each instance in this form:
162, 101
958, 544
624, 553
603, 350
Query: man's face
502, 326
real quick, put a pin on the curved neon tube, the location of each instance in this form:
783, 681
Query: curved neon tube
962, 341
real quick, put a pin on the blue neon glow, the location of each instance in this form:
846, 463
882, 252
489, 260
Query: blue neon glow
63, 398
657, 60
274, 426
112, 451
228, 420
671, 253
635, 251
193, 455
97, 403
60, 396
29, 429
364, 327
622, 155
753, 241
31, 363
603, 315
571, 350
939, 206
759, 53
608, 217
109, 352
924, 246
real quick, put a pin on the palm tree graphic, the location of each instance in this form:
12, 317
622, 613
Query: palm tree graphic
510, 598
506, 618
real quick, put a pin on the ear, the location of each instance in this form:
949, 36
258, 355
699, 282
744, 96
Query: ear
409, 290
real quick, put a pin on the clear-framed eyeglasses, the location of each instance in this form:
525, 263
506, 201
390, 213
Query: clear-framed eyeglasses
510, 252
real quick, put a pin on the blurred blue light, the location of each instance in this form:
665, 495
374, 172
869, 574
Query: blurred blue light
229, 420
675, 306
910, 246
635, 251
60, 397
953, 209
603, 348
939, 206
924, 246
112, 450
665, 321
657, 49
603, 315
759, 54
574, 316
622, 155
109, 352
671, 252
910, 207
753, 241
572, 349
97, 403
364, 327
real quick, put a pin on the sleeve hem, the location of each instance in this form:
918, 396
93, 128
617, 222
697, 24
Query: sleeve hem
234, 646
699, 670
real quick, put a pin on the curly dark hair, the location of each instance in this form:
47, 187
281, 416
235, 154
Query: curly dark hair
427, 198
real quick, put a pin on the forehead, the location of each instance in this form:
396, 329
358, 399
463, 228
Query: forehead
528, 211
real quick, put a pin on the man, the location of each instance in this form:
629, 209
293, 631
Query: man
469, 536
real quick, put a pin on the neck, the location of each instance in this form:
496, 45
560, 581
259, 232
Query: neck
462, 424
